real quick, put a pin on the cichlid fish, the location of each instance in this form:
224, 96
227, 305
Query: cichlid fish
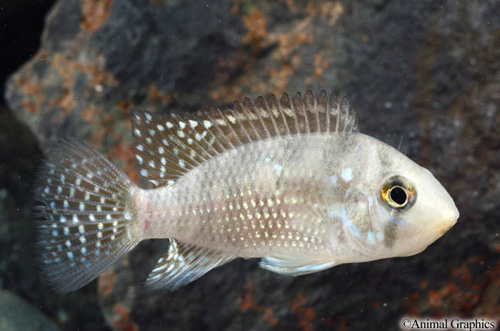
290, 181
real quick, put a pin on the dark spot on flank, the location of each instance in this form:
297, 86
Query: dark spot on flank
390, 234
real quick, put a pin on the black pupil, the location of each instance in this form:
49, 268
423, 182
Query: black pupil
398, 195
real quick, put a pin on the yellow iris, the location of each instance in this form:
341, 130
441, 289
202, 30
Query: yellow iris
397, 194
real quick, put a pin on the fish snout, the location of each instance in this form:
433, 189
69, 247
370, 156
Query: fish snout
448, 217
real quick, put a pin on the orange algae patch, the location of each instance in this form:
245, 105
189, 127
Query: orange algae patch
320, 65
292, 6
124, 106
106, 283
331, 11
285, 56
156, 94
257, 34
91, 65
268, 316
95, 13
33, 95
247, 303
306, 315
462, 294
124, 152
90, 112
336, 323
66, 102
29, 106
123, 322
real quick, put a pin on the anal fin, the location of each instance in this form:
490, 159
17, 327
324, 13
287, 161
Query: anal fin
294, 266
182, 264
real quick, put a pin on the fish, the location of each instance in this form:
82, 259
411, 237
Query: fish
288, 180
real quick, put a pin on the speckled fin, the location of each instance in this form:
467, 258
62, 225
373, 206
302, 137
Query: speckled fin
85, 218
294, 265
182, 264
169, 145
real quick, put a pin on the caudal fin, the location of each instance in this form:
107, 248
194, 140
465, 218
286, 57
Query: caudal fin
86, 215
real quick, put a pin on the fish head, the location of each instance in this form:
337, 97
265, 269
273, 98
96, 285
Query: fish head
413, 208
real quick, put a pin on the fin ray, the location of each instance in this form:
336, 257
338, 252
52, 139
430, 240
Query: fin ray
85, 220
182, 264
295, 266
169, 145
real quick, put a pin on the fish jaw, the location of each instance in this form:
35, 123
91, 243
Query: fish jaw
432, 216
447, 219
441, 216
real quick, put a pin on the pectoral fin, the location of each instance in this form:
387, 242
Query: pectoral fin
294, 266
182, 264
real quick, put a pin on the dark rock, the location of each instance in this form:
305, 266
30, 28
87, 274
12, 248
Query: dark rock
17, 314
21, 23
428, 70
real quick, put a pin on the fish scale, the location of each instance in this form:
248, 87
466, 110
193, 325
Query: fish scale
290, 181
242, 214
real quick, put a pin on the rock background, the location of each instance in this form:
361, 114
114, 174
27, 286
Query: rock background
429, 70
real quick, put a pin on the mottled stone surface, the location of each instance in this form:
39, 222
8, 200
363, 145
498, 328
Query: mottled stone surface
429, 70
17, 314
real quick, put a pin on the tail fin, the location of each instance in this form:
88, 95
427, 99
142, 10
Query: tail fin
86, 215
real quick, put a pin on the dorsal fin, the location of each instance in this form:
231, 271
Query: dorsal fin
395, 140
169, 145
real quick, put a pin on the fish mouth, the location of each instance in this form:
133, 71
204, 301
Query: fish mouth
445, 223
438, 230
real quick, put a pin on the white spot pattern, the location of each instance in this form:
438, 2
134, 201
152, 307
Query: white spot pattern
78, 193
346, 174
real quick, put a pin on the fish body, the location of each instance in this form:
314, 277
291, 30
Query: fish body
291, 182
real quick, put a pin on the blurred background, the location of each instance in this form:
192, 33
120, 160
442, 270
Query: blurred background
427, 70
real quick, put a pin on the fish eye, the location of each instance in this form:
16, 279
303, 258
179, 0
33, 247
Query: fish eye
397, 193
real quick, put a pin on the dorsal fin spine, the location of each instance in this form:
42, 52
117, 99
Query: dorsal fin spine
238, 120
345, 106
260, 117
180, 144
248, 107
261, 99
213, 135
316, 112
229, 124
303, 111
336, 108
230, 128
276, 114
200, 145
327, 109
273, 112
342, 106
169, 146
294, 113
283, 116
179, 150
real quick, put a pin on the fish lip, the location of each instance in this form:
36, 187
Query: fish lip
440, 228
446, 223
